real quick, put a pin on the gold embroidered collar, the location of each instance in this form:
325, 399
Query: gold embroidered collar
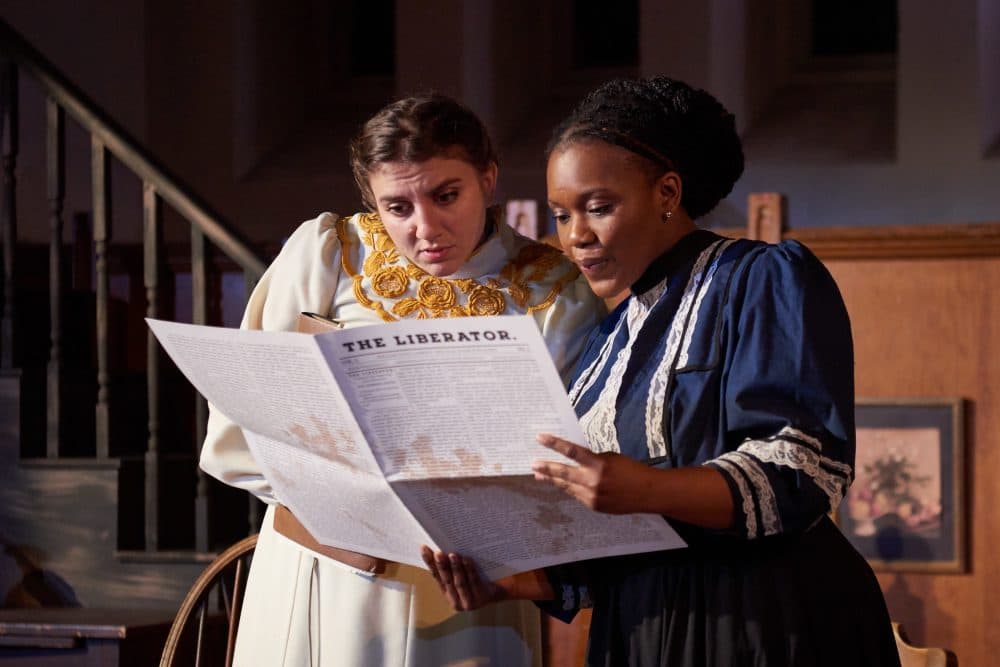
392, 277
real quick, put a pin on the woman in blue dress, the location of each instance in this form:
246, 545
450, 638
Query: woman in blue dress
719, 394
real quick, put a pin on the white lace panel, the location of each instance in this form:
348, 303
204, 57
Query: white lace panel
598, 422
682, 358
769, 515
748, 504
788, 453
593, 371
656, 400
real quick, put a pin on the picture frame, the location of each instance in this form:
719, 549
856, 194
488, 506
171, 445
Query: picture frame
522, 215
906, 510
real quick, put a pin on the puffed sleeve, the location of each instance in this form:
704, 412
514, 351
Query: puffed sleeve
567, 323
788, 401
303, 277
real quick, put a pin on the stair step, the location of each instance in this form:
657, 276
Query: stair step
88, 636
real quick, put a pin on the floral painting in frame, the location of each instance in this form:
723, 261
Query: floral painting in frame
905, 510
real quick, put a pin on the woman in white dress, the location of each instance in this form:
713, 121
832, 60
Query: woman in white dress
429, 246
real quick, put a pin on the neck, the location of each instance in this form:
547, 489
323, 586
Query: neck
676, 229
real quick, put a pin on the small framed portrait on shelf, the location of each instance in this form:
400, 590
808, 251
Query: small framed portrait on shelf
522, 215
906, 508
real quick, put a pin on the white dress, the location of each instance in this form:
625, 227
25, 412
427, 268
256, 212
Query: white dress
302, 608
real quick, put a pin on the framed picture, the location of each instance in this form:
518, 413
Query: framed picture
906, 508
522, 215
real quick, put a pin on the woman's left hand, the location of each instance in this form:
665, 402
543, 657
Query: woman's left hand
458, 578
606, 482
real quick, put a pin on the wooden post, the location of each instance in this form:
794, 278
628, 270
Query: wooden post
151, 209
199, 308
9, 131
101, 198
55, 167
766, 216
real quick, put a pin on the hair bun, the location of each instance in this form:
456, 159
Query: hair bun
664, 120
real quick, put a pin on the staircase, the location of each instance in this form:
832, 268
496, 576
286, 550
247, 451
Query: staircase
101, 502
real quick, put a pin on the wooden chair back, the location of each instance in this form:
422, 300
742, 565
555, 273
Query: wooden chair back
915, 656
204, 629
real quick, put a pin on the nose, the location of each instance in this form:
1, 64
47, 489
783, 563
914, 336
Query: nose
576, 231
427, 225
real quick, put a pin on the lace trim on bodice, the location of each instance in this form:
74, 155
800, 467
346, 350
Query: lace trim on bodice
681, 329
598, 422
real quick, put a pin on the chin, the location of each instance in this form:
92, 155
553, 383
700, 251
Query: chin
607, 289
440, 270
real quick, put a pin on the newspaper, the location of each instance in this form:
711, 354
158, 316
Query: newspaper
385, 437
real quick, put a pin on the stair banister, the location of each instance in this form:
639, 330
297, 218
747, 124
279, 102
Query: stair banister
160, 186
127, 150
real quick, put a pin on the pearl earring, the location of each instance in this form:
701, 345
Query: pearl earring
666, 216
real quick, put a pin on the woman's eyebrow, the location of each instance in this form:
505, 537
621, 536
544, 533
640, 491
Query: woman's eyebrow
396, 196
585, 196
445, 184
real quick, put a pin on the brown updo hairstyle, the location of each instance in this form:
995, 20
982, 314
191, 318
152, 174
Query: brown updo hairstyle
672, 126
415, 129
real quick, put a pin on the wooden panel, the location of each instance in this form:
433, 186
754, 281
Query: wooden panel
927, 327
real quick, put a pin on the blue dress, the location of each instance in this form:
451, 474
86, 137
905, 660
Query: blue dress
735, 355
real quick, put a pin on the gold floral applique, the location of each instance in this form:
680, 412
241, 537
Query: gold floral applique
390, 281
436, 293
486, 301
439, 297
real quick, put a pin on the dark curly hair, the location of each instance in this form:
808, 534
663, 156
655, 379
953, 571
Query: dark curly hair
673, 126
415, 129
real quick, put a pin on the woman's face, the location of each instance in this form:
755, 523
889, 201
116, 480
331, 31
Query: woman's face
434, 211
609, 213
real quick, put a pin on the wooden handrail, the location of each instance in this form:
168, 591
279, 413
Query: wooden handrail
159, 185
126, 149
